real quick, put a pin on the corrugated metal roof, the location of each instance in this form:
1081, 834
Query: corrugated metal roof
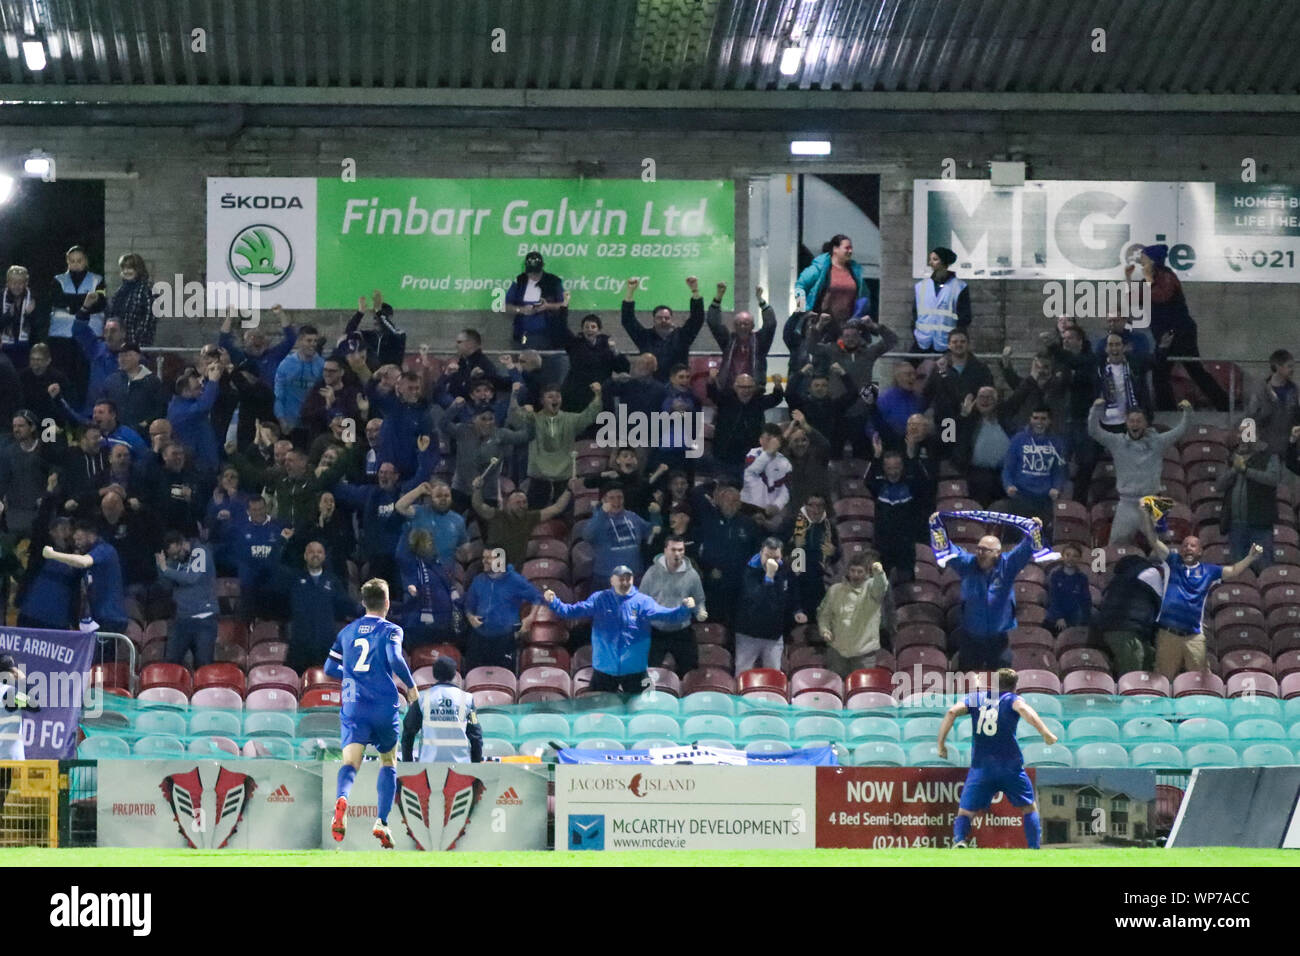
926, 46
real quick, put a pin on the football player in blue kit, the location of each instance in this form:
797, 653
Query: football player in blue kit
367, 655
996, 764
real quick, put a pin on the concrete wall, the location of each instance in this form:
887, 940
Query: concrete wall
160, 214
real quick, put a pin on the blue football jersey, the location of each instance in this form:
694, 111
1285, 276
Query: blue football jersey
362, 649
993, 743
1183, 606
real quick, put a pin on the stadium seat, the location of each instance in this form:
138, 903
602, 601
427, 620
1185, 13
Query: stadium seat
1099, 755
496, 748
581, 683
1197, 682
598, 725
816, 679
1256, 708
1202, 730
1045, 704
1025, 732
273, 677
162, 697
762, 679
869, 679
1289, 687
665, 681
711, 679
167, 675
221, 722
926, 754
270, 748
155, 721
700, 726
1088, 682
654, 703
1084, 659
1147, 730
536, 725
866, 729
1039, 754
158, 746
491, 678
264, 632
762, 726
319, 722
331, 697
270, 699
221, 698
767, 746
115, 674
1258, 730
1268, 755
547, 655
1083, 730
544, 683
220, 675
919, 614
217, 747
708, 702
879, 753
103, 747
270, 723
1159, 756
653, 725
1200, 705
1143, 682
1211, 755
820, 728
1038, 681
1250, 683
872, 701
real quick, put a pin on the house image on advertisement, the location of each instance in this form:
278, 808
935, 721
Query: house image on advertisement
1093, 815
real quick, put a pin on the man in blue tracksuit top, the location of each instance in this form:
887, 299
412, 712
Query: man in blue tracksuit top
620, 630
492, 606
1034, 469
988, 598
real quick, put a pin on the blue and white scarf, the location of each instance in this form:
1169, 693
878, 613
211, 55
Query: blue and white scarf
945, 550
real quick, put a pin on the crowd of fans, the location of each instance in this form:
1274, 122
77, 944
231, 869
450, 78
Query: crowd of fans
303, 465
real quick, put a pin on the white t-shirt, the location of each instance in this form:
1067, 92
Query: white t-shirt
533, 292
1115, 414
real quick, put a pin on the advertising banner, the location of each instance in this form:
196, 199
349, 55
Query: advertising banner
462, 806
210, 804
810, 756
1050, 229
56, 668
459, 243
884, 807
683, 808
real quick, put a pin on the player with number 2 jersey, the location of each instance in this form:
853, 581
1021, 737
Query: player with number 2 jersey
996, 764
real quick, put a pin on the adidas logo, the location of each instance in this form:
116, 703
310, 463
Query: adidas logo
509, 799
280, 795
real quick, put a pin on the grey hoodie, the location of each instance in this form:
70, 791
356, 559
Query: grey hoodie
1138, 464
668, 588
194, 583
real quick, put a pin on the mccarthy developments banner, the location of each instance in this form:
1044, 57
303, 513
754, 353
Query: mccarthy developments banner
210, 804
464, 806
1049, 229
683, 808
458, 243
56, 668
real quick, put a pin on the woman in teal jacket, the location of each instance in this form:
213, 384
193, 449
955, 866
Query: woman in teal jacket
834, 283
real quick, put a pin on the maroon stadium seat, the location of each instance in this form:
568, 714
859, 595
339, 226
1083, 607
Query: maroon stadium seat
1037, 682
217, 698
869, 679
919, 592
708, 679
316, 677
1289, 686
926, 613
1032, 637
268, 652
919, 635
491, 678
163, 696
555, 528
1284, 639
492, 698
953, 488
543, 655
1231, 593
167, 675
273, 677
544, 683
1029, 593
1288, 662
854, 507
869, 700
1281, 596
923, 656
1031, 615
555, 549
1071, 638
854, 529
232, 631
153, 631
818, 679
220, 675
763, 679
231, 654
1197, 682
1251, 683
1143, 682
546, 569
712, 655
710, 632
547, 632
1033, 659
268, 698
263, 631
1235, 615
799, 658
582, 657
665, 681
1233, 662
321, 697
1088, 682
1243, 637
885, 661
1285, 616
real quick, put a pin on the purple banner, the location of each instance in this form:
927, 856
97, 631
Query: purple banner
56, 665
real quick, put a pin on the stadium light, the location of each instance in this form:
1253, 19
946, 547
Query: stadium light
34, 54
6, 188
791, 58
38, 164
810, 147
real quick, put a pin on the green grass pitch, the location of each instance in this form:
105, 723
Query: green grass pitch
1066, 856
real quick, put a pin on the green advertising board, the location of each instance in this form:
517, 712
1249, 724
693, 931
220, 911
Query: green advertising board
458, 243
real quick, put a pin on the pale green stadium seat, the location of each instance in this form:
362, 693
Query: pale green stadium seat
318, 723
654, 725
1267, 755
103, 747
650, 743
1211, 755
159, 721
820, 726
1255, 708
1159, 756
763, 728
1147, 730
1045, 704
767, 747
926, 754
598, 725
879, 753
1047, 755
921, 728
222, 722
535, 725
1200, 705
543, 746
707, 725
1199, 730
657, 703
313, 748
268, 722
867, 729
598, 743
718, 743
1025, 731
1100, 755
707, 702
496, 724
157, 745
1083, 730
497, 747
